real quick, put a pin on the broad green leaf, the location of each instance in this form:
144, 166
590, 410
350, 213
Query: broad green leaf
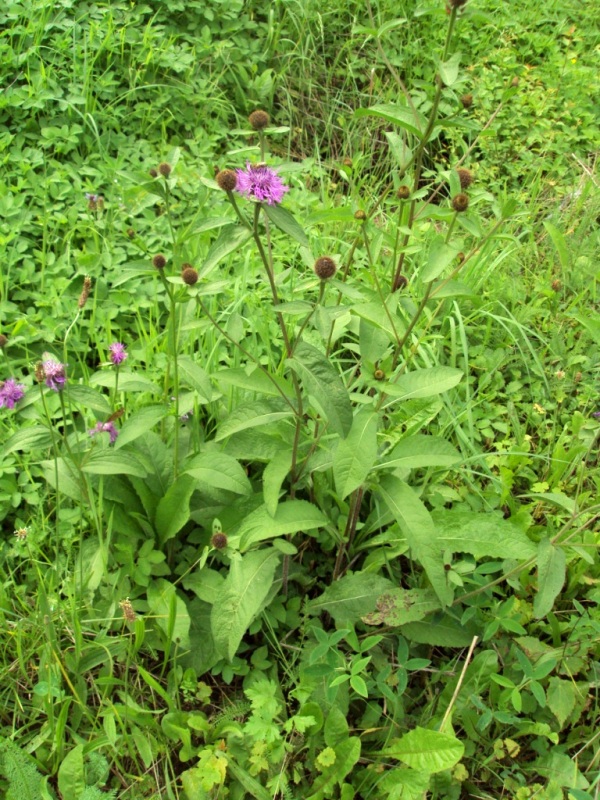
426, 750
90, 398
273, 476
441, 255
253, 415
169, 611
551, 564
560, 243
69, 482
290, 517
286, 222
449, 69
423, 383
110, 462
414, 452
231, 238
252, 787
128, 381
562, 698
173, 510
356, 454
195, 377
254, 380
440, 630
592, 323
220, 471
373, 342
400, 150
347, 754
481, 534
417, 525
322, 381
353, 596
401, 606
403, 783
554, 498
402, 116
373, 313
139, 423
202, 654
71, 774
245, 590
27, 439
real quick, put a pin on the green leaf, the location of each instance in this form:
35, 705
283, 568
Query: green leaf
426, 750
356, 454
254, 380
71, 774
231, 238
286, 222
449, 70
253, 415
400, 150
441, 255
402, 116
592, 323
347, 754
27, 439
350, 598
551, 564
273, 476
414, 452
417, 525
68, 480
481, 534
290, 517
169, 610
560, 243
322, 381
90, 398
128, 381
440, 630
373, 313
423, 383
195, 377
173, 510
562, 698
401, 606
245, 590
109, 462
139, 423
219, 471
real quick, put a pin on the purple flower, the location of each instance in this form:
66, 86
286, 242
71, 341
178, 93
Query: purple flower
118, 354
596, 414
262, 183
10, 393
54, 373
105, 427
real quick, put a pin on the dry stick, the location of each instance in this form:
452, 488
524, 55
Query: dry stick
460, 681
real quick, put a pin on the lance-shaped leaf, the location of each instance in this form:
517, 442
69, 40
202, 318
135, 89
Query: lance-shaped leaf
441, 255
219, 471
356, 454
173, 510
253, 415
481, 535
423, 383
402, 116
230, 238
322, 381
551, 564
245, 590
353, 596
401, 606
417, 525
287, 223
290, 517
426, 750
414, 452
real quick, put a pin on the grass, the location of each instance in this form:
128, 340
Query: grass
344, 543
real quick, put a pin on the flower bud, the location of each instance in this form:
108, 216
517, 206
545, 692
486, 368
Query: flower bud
219, 541
465, 176
165, 169
360, 215
259, 120
153, 173
3, 341
467, 100
227, 180
403, 192
159, 261
189, 274
325, 268
460, 202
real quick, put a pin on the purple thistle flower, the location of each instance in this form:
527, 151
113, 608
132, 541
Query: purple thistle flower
261, 183
105, 427
54, 373
118, 353
10, 393
596, 414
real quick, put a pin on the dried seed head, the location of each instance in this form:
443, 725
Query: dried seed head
325, 268
467, 100
189, 274
159, 261
3, 341
85, 292
460, 202
360, 215
153, 173
165, 169
401, 282
21, 534
39, 373
379, 375
465, 176
259, 120
127, 609
219, 541
403, 192
227, 179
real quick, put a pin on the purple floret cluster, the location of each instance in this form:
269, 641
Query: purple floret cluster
54, 374
10, 393
105, 427
261, 183
118, 353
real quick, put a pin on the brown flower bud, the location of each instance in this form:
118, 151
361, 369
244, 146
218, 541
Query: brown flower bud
578, 377
39, 373
3, 341
556, 285
460, 257
130, 233
227, 180
403, 192
85, 292
347, 162
360, 215
165, 169
460, 202
515, 81
259, 120
379, 375
401, 282
127, 609
325, 268
467, 100
159, 261
153, 173
189, 274
219, 541
465, 176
